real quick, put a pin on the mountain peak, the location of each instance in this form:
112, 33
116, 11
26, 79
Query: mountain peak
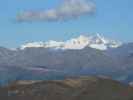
94, 41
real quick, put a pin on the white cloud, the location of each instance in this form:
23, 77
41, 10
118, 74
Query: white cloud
68, 9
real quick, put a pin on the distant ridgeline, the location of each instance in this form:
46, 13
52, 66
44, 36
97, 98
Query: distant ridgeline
81, 56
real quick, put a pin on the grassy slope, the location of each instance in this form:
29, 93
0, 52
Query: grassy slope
83, 88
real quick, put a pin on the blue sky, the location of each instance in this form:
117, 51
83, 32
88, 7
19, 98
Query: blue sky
112, 18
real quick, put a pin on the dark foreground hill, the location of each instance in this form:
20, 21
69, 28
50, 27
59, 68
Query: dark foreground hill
82, 88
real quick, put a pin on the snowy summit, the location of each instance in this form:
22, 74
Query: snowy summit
96, 41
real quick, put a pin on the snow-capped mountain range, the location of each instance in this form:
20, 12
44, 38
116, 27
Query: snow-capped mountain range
84, 55
96, 41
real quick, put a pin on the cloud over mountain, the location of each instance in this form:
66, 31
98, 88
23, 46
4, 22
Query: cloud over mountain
68, 9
